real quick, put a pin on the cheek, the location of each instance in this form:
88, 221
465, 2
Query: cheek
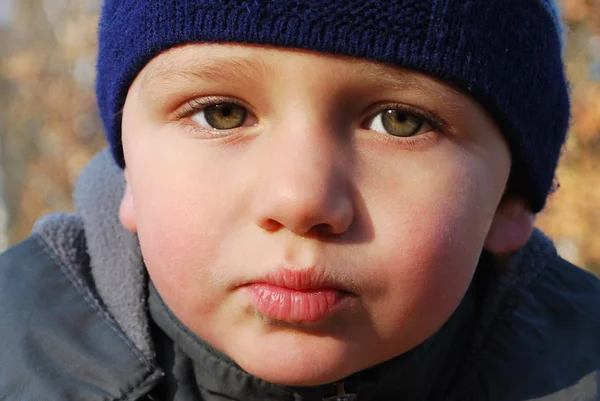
182, 220
430, 233
430, 265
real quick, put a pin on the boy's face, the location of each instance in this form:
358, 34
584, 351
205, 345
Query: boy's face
308, 215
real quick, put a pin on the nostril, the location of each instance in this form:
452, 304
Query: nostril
271, 225
325, 229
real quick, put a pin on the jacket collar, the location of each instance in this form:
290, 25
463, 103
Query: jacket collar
411, 376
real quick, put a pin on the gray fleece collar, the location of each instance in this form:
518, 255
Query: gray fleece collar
117, 269
116, 258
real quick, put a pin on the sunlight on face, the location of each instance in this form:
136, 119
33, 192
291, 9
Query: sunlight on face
308, 215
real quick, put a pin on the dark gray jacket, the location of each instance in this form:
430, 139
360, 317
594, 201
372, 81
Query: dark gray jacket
79, 321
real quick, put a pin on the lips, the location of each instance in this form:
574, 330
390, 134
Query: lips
296, 295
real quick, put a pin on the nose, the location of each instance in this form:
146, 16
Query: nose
305, 184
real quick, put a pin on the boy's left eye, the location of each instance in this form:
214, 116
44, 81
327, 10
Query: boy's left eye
398, 123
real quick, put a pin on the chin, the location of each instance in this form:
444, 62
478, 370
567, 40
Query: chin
294, 362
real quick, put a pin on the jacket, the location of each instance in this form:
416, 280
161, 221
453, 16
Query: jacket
79, 320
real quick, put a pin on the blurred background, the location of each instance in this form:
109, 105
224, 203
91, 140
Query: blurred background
49, 127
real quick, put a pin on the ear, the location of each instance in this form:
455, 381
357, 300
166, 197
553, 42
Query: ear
127, 209
511, 227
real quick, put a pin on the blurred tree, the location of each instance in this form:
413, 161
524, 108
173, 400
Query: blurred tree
573, 213
48, 108
6, 12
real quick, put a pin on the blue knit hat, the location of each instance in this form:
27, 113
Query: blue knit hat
505, 54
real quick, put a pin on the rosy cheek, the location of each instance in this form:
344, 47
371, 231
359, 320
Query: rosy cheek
431, 248
428, 250
178, 232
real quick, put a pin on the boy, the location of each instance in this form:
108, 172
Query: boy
313, 201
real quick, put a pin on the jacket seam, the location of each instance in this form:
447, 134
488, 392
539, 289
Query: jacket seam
104, 316
134, 388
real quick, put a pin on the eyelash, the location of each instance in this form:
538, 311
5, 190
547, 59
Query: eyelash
194, 106
439, 126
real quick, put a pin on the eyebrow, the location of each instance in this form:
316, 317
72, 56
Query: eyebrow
406, 79
207, 70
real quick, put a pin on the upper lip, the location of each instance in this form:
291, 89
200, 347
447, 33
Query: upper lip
306, 279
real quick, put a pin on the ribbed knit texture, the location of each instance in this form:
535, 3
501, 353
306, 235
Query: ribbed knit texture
506, 54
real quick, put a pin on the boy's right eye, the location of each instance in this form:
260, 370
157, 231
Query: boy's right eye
222, 116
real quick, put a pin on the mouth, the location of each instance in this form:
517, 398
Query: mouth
297, 296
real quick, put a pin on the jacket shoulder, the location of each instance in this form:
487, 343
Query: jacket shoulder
544, 343
59, 343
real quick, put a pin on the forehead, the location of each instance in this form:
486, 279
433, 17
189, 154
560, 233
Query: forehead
224, 62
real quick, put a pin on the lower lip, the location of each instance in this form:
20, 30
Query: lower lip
294, 306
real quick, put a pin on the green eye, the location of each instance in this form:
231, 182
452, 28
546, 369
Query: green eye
221, 116
397, 123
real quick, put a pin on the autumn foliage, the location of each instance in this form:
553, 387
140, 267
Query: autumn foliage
572, 216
